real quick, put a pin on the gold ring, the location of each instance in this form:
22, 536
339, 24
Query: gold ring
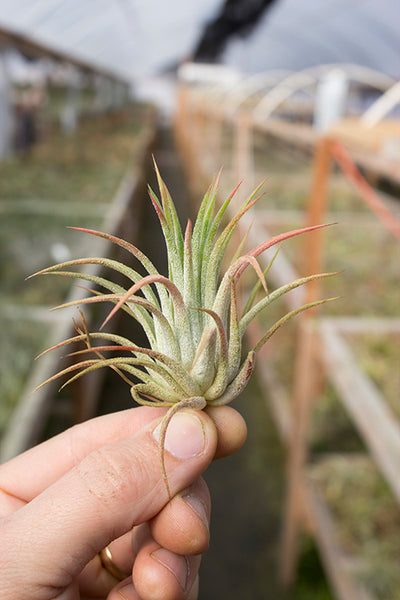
110, 566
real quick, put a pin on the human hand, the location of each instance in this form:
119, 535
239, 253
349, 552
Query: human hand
99, 484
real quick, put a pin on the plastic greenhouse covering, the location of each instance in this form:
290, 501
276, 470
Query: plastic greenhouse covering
136, 38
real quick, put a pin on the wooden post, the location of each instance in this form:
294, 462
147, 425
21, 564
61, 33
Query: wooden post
316, 215
243, 151
199, 123
307, 378
295, 512
180, 118
187, 123
216, 125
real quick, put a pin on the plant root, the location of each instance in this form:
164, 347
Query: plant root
195, 402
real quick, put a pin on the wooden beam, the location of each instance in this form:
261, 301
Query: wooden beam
337, 564
365, 404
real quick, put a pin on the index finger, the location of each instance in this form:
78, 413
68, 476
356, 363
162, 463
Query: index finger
28, 474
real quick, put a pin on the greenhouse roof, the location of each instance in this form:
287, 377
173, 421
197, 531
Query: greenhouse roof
296, 35
132, 37
136, 38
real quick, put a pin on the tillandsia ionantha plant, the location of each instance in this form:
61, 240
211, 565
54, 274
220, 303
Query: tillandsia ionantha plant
191, 318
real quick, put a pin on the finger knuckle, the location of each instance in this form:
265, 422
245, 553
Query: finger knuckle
112, 474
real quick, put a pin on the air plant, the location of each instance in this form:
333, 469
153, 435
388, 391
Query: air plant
192, 320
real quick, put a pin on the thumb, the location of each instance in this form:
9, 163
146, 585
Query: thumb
114, 488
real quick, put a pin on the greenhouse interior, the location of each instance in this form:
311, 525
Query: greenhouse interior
216, 185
